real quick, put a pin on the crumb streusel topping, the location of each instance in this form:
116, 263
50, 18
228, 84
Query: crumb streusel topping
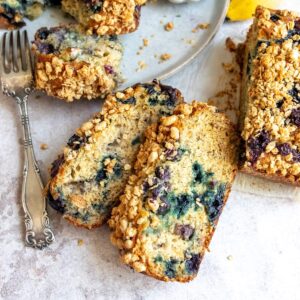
271, 127
107, 16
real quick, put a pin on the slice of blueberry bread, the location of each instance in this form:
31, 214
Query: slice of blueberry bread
105, 16
171, 204
72, 65
12, 12
89, 177
270, 100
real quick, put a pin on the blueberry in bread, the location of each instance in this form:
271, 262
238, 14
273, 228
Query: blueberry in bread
72, 65
105, 16
270, 99
12, 12
89, 177
171, 204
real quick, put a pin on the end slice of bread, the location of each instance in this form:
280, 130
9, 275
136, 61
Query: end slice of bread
71, 65
172, 203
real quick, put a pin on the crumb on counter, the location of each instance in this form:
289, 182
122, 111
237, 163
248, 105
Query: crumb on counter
44, 146
169, 26
229, 257
80, 242
227, 98
230, 45
228, 67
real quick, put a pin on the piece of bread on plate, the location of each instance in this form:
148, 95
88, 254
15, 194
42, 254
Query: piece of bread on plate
270, 99
71, 65
171, 204
88, 179
105, 16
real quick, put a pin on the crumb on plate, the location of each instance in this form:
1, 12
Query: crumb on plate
165, 56
141, 66
201, 26
169, 26
146, 42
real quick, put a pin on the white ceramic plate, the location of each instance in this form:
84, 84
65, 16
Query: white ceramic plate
181, 43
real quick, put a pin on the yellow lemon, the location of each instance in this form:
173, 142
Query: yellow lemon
244, 9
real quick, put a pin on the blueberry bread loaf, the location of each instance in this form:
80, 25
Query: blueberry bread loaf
105, 16
171, 205
89, 177
71, 65
12, 12
270, 100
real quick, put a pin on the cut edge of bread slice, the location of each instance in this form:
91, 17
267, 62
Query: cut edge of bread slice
117, 104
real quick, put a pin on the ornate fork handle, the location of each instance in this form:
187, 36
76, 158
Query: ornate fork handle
38, 232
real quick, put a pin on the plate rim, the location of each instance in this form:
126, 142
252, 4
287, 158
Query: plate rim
177, 68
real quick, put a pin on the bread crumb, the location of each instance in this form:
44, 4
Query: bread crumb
44, 146
230, 45
146, 42
80, 242
228, 67
142, 65
227, 98
190, 42
169, 26
201, 26
165, 56
229, 257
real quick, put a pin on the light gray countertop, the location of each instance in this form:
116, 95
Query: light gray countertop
254, 254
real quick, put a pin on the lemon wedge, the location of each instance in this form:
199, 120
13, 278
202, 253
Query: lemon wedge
243, 9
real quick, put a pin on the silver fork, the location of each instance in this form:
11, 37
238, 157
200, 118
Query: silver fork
16, 72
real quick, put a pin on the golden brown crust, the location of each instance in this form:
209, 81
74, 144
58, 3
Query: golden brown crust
10, 21
70, 80
5, 24
275, 178
76, 223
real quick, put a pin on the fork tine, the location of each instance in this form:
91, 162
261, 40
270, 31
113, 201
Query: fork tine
20, 53
27, 50
5, 63
13, 52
